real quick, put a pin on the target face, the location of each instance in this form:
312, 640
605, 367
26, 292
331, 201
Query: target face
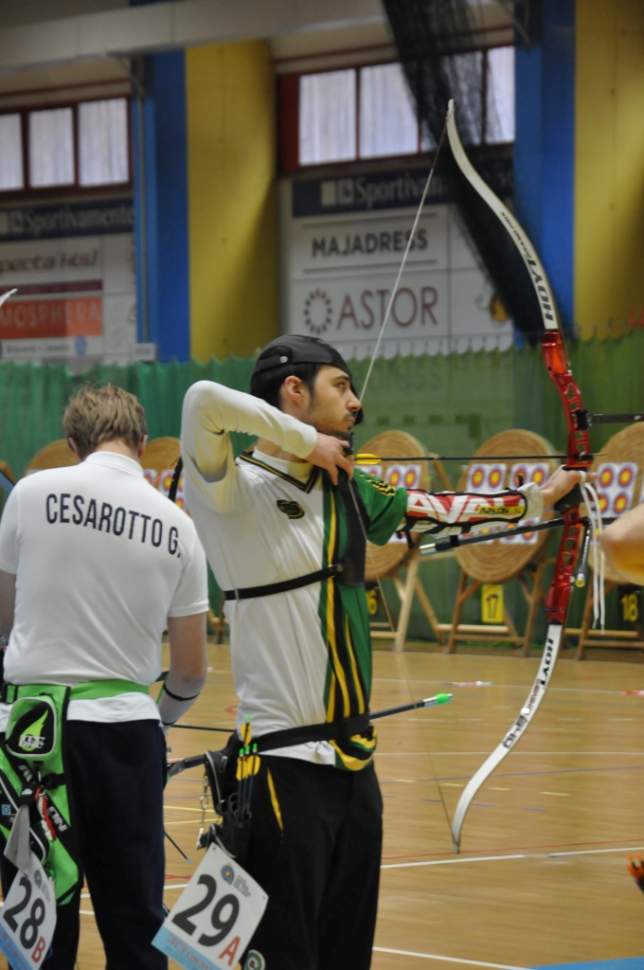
500, 559
619, 477
159, 459
411, 473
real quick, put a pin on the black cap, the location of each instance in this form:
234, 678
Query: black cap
296, 348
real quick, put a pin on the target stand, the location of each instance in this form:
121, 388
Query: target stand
530, 579
588, 638
619, 480
521, 557
396, 561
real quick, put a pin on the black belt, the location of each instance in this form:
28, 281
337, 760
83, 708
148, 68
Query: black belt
282, 587
339, 730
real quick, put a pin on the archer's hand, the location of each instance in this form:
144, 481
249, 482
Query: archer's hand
559, 484
330, 453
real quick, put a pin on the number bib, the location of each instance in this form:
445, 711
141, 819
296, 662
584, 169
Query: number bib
211, 923
28, 918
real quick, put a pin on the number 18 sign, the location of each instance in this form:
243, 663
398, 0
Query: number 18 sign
211, 923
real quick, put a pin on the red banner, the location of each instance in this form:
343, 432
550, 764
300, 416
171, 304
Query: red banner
72, 317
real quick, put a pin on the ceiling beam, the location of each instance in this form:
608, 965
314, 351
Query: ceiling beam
163, 26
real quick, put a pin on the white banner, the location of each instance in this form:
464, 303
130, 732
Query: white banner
76, 292
339, 270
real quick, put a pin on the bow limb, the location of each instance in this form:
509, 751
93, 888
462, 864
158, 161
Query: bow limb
578, 456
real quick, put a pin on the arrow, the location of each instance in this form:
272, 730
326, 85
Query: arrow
198, 759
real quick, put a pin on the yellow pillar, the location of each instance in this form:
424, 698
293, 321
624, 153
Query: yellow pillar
609, 163
232, 212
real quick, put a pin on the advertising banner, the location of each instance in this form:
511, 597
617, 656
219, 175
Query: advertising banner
72, 265
343, 240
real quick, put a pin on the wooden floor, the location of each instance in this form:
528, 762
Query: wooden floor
541, 878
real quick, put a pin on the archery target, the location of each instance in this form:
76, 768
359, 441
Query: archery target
400, 473
57, 454
619, 478
159, 459
500, 559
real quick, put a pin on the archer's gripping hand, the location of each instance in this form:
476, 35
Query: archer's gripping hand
561, 484
332, 454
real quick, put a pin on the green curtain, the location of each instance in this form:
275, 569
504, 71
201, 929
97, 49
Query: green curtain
450, 403
33, 397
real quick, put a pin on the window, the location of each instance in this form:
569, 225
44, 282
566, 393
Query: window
368, 112
387, 116
499, 115
11, 173
327, 117
464, 73
67, 147
51, 148
102, 142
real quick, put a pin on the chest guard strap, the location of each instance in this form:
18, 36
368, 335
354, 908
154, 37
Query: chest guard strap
249, 592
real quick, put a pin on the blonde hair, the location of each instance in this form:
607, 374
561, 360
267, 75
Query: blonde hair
98, 414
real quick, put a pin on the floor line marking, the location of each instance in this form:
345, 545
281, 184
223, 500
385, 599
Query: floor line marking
508, 857
534, 754
436, 956
405, 681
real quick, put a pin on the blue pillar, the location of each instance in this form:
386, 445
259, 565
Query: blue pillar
544, 150
161, 207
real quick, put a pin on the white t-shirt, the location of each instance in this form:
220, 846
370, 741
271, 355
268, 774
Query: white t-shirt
101, 560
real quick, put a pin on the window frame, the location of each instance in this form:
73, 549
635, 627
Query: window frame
73, 189
288, 119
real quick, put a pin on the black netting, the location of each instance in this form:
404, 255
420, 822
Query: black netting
432, 37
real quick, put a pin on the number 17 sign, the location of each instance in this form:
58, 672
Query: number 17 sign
211, 923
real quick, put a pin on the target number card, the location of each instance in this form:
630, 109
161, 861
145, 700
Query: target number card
28, 918
213, 920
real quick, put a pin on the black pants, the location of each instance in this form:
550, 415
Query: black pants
315, 847
115, 776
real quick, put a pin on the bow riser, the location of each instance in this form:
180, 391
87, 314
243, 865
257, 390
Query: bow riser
575, 413
559, 593
579, 457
